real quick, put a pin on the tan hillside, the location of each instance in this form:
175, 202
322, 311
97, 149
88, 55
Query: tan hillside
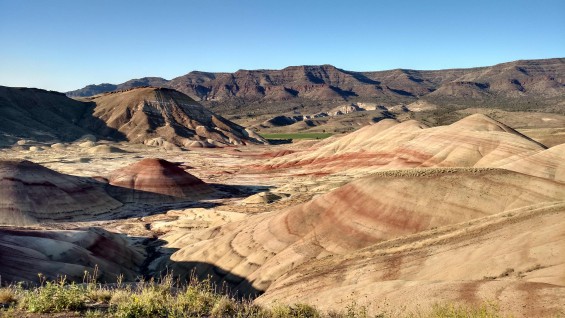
377, 208
513, 259
549, 164
476, 140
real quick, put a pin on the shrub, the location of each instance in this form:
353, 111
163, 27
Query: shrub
297, 310
487, 310
99, 295
7, 295
225, 307
167, 299
54, 296
355, 311
148, 301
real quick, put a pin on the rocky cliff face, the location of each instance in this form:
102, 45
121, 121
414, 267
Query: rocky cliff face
535, 79
538, 81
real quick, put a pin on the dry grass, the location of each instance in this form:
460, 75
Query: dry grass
486, 310
7, 295
165, 298
430, 172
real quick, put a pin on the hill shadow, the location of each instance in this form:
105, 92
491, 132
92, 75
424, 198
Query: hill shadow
99, 127
139, 203
279, 141
237, 190
343, 93
401, 92
184, 273
46, 116
222, 280
361, 77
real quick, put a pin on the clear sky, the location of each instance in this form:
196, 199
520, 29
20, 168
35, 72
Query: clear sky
66, 44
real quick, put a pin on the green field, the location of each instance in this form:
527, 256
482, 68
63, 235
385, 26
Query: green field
297, 136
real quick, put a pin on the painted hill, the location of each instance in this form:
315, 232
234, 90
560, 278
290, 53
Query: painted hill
448, 208
377, 208
476, 140
157, 176
26, 252
31, 193
508, 259
549, 164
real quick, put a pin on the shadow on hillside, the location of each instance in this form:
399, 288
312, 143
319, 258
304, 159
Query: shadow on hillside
222, 280
138, 203
99, 127
56, 253
108, 255
237, 190
361, 78
401, 92
279, 141
42, 116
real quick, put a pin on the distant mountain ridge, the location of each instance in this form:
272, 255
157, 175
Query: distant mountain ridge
94, 89
542, 81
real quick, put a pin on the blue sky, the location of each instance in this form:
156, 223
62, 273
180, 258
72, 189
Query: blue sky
66, 44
